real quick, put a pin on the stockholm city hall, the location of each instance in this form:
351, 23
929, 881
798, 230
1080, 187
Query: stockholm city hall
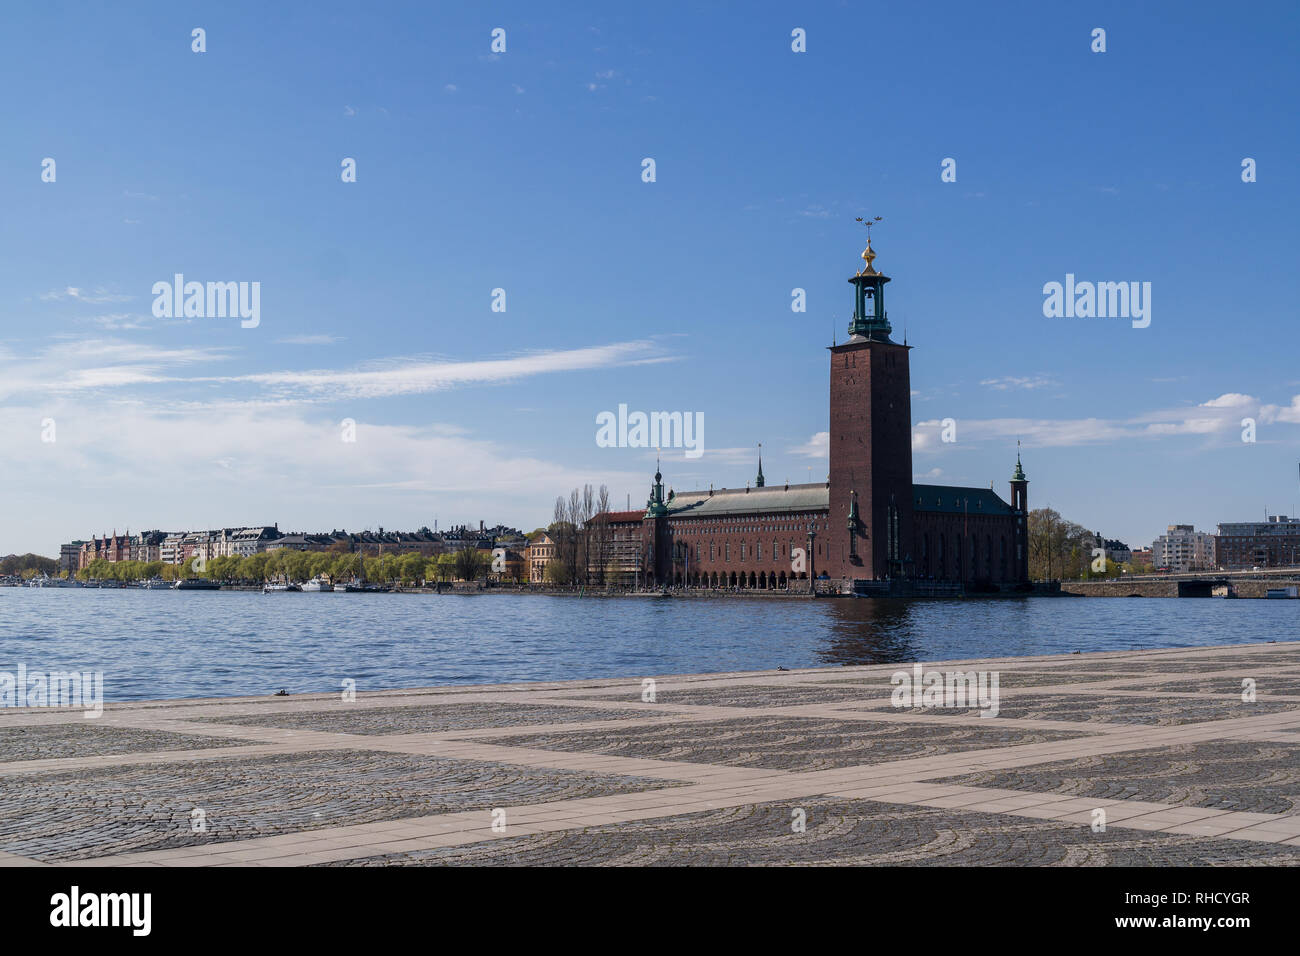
868, 528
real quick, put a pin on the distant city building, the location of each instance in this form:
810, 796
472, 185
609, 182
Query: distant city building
1273, 543
620, 553
1183, 548
243, 542
113, 548
1117, 551
70, 556
147, 546
1142, 556
540, 553
178, 547
170, 549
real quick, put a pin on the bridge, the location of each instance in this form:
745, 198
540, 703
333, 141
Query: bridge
1243, 584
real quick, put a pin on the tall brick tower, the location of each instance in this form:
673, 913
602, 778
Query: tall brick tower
1020, 504
871, 534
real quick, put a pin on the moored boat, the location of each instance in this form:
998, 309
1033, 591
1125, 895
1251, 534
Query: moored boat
197, 584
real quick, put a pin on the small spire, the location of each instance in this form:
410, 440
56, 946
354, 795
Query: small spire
1020, 472
868, 256
759, 482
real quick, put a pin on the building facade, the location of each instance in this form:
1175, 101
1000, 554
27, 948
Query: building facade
1274, 543
868, 527
1183, 548
70, 557
540, 553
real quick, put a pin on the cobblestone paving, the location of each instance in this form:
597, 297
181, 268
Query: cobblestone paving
413, 777
1218, 686
784, 743
87, 737
1005, 679
1223, 775
1099, 708
345, 719
1227, 662
71, 816
844, 832
749, 696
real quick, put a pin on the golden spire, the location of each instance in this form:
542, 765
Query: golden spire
869, 254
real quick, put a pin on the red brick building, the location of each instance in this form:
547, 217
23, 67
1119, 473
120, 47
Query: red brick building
115, 547
869, 528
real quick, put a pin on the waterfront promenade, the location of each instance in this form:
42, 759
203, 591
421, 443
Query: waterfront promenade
776, 767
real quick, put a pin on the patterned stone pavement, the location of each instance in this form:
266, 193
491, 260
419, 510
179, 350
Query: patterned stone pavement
1133, 758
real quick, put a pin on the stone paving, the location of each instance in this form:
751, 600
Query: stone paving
808, 767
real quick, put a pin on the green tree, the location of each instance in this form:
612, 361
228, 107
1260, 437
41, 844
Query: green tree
558, 573
470, 563
411, 567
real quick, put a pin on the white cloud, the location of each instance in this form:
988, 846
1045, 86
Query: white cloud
818, 446
200, 465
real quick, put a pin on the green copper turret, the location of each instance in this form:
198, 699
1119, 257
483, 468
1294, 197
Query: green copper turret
870, 320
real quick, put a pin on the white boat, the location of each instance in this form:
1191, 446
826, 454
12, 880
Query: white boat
318, 584
279, 588
154, 584
45, 581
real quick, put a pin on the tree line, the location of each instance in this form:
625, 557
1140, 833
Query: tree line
1060, 550
295, 567
27, 565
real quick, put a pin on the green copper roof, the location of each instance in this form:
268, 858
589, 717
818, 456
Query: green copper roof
1020, 472
949, 499
738, 501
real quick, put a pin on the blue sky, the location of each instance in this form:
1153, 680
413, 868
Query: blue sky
522, 171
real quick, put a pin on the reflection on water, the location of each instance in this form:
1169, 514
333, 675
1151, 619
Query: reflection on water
153, 644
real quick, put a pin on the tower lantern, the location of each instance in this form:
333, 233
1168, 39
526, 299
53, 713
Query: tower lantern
870, 320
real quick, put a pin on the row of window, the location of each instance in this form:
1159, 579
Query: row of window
723, 551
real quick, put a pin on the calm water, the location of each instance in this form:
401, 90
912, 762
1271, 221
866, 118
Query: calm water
152, 644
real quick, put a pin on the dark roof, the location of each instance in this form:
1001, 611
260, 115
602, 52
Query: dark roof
739, 501
951, 499
621, 517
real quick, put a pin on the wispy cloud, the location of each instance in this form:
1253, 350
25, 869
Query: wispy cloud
1221, 416
321, 339
412, 378
78, 294
116, 363
1014, 382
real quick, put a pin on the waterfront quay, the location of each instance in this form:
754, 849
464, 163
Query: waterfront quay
1161, 757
